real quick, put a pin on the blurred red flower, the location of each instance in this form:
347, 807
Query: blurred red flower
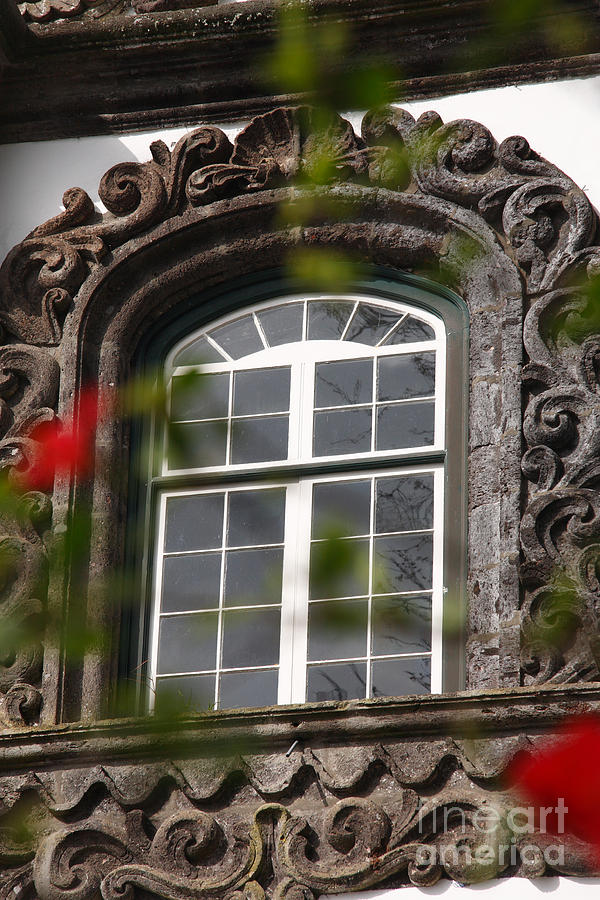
67, 446
565, 771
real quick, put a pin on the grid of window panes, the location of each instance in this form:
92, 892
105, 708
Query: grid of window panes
370, 592
396, 392
218, 629
229, 418
233, 414
359, 321
309, 587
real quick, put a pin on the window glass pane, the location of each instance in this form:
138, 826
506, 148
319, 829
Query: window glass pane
282, 325
404, 503
410, 331
239, 689
409, 375
343, 383
403, 563
194, 523
187, 643
341, 509
253, 577
405, 425
398, 677
259, 440
238, 338
198, 444
250, 637
337, 629
370, 324
326, 321
186, 692
191, 582
256, 517
261, 391
401, 625
200, 396
339, 568
340, 681
342, 431
198, 352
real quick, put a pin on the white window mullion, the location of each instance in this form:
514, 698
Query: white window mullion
295, 417
306, 409
292, 577
299, 647
438, 588
370, 588
261, 333
219, 655
229, 418
349, 322
439, 438
157, 590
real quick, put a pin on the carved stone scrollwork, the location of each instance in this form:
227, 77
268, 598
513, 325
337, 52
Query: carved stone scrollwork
44, 11
354, 845
40, 276
542, 220
51, 10
561, 527
28, 396
160, 829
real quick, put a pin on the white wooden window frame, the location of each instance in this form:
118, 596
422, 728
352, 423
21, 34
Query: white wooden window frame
302, 358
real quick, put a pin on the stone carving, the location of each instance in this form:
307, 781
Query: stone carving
45, 11
541, 217
28, 396
334, 816
445, 823
40, 276
279, 146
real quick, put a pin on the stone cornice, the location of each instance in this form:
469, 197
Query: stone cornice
208, 60
482, 713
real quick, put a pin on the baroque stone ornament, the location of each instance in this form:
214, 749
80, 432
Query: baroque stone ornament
44, 11
249, 827
28, 397
406, 193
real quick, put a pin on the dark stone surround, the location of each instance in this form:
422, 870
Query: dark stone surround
283, 802
115, 804
76, 67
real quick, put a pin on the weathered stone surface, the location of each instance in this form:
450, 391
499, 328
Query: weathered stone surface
78, 67
371, 795
505, 227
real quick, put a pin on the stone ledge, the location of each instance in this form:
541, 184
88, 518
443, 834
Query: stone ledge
486, 713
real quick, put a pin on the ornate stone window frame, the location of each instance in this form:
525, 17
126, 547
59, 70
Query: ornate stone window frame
508, 230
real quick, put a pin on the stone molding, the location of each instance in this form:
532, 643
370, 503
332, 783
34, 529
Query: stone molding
80, 290
168, 811
93, 71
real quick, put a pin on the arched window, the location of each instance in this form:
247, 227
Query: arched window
300, 506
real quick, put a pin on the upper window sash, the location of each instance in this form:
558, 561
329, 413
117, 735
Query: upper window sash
302, 364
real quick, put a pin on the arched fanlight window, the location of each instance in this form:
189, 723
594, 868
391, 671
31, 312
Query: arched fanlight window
303, 559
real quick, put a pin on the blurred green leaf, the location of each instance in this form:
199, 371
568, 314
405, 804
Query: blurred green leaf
322, 268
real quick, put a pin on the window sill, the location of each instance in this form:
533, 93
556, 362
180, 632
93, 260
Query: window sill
274, 729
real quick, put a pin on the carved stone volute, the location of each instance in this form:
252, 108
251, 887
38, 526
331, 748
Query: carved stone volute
405, 189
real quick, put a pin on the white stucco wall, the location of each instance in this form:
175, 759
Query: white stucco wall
500, 889
561, 120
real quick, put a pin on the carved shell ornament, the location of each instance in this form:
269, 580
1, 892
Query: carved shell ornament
543, 221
